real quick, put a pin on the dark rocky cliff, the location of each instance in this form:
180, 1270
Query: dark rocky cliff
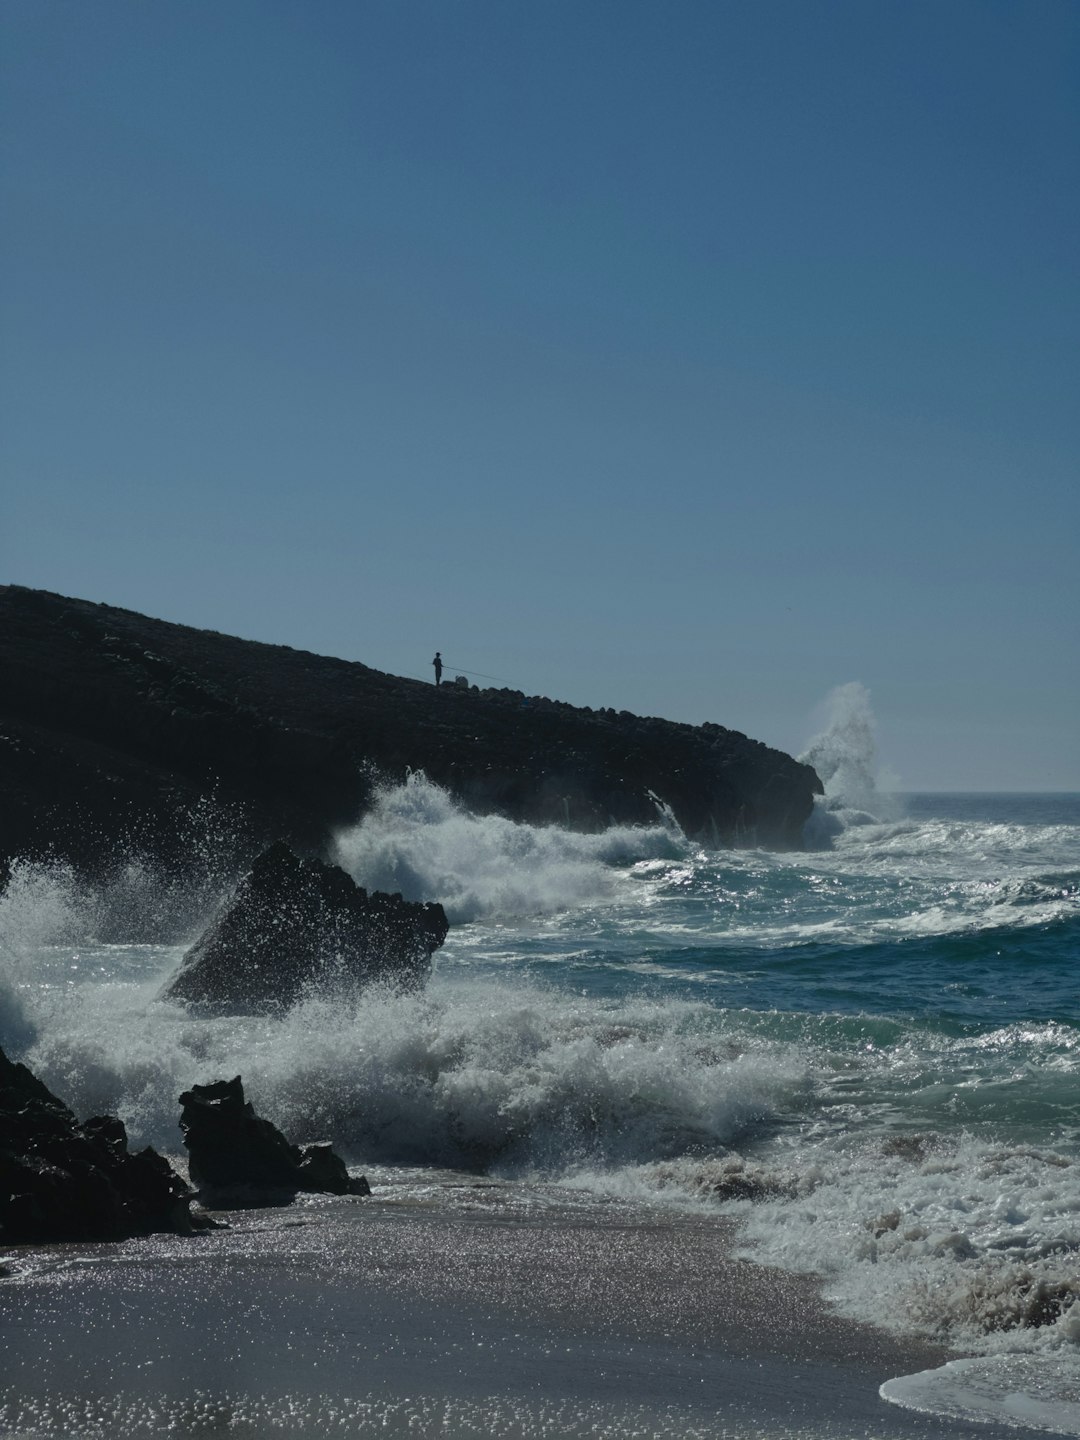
116, 725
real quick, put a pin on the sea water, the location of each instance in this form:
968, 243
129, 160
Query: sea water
867, 1051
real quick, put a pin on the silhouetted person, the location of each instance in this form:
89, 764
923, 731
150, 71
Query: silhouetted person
437, 662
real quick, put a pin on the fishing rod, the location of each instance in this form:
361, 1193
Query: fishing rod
476, 674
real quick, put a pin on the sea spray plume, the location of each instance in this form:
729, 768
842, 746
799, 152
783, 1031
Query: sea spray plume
143, 896
844, 755
47, 905
130, 895
43, 905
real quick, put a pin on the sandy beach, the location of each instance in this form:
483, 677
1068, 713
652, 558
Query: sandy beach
465, 1308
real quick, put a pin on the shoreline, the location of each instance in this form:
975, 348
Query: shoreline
476, 1307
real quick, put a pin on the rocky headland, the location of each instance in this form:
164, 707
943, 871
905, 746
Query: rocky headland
117, 727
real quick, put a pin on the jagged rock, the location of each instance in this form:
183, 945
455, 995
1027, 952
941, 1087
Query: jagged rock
296, 925
233, 1151
60, 1180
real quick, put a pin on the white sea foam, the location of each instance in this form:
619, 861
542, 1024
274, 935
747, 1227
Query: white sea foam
962, 849
1037, 1393
968, 1241
417, 840
474, 1071
963, 909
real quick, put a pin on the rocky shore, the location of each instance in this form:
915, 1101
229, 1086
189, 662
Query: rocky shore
117, 726
62, 1179
65, 1180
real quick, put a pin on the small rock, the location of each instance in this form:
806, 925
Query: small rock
60, 1180
234, 1152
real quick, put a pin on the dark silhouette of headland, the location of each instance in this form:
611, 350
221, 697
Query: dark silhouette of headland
115, 727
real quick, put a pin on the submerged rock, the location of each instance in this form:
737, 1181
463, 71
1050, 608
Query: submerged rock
232, 1150
60, 1180
293, 926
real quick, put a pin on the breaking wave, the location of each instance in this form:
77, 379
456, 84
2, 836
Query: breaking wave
476, 1072
419, 841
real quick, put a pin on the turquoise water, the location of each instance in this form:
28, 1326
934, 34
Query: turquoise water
964, 913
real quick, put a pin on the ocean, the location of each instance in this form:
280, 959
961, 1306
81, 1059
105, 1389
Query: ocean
860, 1062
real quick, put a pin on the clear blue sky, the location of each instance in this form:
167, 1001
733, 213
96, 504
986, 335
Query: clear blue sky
690, 357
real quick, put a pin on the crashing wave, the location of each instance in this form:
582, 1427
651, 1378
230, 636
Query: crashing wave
417, 840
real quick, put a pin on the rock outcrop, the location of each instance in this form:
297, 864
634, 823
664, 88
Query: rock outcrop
235, 1155
296, 926
61, 1180
116, 725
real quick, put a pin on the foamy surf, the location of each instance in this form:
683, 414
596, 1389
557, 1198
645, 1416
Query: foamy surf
482, 1071
417, 840
1031, 1393
868, 1055
966, 1241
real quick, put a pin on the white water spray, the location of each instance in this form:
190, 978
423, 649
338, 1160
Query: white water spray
844, 755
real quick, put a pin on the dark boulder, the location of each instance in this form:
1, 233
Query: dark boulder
294, 926
60, 1180
233, 1151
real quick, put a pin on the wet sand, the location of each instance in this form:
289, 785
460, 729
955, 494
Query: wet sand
479, 1309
